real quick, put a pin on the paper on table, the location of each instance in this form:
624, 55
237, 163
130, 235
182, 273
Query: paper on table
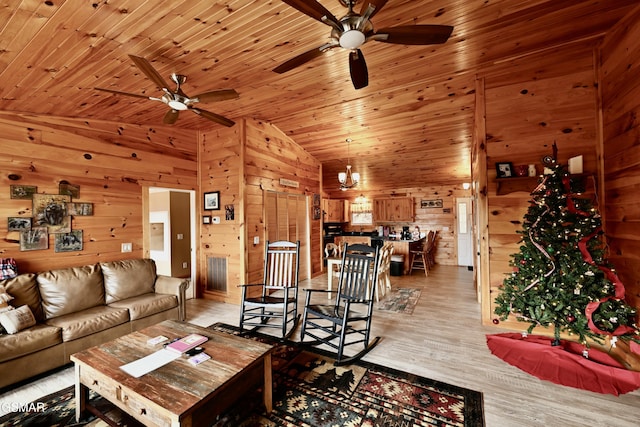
149, 363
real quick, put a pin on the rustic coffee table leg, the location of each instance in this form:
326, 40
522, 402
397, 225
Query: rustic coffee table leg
268, 384
82, 395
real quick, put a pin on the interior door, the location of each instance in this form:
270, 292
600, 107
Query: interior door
464, 224
287, 218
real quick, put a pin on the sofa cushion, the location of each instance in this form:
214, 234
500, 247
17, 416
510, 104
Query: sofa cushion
147, 304
28, 341
89, 321
128, 278
70, 290
24, 290
16, 320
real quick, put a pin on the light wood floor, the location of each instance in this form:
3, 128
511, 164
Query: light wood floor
444, 340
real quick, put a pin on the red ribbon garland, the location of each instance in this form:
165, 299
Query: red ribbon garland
609, 274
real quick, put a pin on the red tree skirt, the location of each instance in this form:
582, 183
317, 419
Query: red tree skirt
564, 364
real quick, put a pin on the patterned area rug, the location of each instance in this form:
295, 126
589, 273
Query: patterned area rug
400, 300
310, 391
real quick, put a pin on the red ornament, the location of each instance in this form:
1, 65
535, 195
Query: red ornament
523, 262
571, 318
495, 321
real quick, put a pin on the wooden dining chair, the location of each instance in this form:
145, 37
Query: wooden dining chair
275, 304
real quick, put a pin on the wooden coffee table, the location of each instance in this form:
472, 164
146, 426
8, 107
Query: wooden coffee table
179, 393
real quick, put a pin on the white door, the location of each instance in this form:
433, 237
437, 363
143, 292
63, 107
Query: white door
464, 225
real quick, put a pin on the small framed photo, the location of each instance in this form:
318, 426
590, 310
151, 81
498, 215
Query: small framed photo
68, 242
23, 191
504, 170
229, 212
18, 223
35, 239
69, 189
80, 209
316, 200
212, 201
206, 219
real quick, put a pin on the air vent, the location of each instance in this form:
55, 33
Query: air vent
216, 274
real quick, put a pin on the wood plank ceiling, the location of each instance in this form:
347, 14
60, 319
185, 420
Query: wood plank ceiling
415, 118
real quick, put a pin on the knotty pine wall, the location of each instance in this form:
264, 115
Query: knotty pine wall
242, 162
111, 162
530, 103
620, 77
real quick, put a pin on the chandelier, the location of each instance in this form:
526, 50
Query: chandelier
349, 178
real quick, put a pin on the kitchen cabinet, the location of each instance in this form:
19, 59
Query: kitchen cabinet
397, 209
333, 210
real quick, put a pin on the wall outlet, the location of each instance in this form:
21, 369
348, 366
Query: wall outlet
185, 265
256, 240
180, 236
126, 247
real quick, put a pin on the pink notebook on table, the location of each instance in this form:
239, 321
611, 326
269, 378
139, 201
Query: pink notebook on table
187, 343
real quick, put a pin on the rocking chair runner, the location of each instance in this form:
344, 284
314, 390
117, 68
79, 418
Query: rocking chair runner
277, 304
351, 312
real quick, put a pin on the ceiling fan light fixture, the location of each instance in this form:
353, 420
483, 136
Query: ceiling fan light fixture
177, 105
352, 39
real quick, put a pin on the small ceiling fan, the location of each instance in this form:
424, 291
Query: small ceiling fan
178, 100
354, 29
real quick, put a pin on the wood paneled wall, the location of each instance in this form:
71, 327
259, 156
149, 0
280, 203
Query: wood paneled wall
443, 220
620, 77
111, 162
241, 162
529, 104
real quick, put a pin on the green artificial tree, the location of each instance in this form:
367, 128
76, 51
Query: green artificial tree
561, 278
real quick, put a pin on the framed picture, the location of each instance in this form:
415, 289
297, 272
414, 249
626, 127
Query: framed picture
68, 242
316, 212
22, 191
229, 212
80, 209
433, 203
35, 239
504, 170
206, 219
212, 201
316, 200
50, 210
18, 223
69, 189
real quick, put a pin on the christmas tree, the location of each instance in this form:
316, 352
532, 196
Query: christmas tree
561, 276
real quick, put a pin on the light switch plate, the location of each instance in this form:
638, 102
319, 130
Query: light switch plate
126, 247
256, 240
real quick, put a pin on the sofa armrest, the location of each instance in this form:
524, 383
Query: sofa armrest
174, 286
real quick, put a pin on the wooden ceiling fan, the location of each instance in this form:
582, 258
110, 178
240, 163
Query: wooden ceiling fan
177, 100
354, 29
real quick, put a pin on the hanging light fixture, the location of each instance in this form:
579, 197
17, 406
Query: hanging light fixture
349, 178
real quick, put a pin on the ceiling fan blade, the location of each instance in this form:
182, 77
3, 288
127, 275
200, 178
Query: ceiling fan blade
171, 117
213, 117
303, 58
146, 67
358, 69
378, 4
315, 10
216, 95
415, 34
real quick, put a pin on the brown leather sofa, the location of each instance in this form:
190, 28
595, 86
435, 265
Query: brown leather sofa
79, 307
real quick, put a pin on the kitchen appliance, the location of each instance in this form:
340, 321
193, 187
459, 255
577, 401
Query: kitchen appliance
406, 234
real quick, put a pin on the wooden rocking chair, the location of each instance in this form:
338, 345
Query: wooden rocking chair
350, 314
276, 306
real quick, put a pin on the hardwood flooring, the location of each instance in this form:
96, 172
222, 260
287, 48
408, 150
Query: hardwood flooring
443, 339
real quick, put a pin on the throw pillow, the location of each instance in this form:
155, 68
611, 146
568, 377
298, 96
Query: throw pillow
16, 320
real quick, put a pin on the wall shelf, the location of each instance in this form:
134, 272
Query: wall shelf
516, 183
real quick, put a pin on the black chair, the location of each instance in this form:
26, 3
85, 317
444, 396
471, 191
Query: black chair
274, 303
349, 315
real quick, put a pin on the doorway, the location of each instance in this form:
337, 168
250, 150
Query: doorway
171, 232
464, 225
